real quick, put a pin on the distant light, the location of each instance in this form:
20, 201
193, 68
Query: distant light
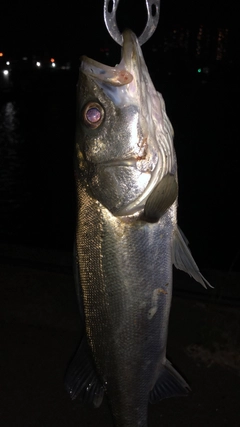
38, 64
66, 66
52, 60
199, 70
8, 63
5, 72
53, 64
24, 58
1, 54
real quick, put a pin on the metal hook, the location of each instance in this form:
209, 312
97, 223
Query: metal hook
153, 12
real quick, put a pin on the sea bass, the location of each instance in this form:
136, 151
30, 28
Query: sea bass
127, 238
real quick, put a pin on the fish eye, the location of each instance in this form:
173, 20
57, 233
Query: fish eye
93, 115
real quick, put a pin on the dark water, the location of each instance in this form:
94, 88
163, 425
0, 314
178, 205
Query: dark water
37, 204
36, 142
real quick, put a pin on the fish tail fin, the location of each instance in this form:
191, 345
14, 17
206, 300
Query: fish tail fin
170, 383
183, 259
81, 380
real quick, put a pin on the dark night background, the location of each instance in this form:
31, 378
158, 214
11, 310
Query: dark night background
37, 181
201, 106
194, 61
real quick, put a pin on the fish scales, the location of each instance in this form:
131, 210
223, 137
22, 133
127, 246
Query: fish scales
119, 319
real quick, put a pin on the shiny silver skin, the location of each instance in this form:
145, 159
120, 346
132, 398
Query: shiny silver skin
125, 168
126, 281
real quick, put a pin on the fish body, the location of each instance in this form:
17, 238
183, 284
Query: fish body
127, 239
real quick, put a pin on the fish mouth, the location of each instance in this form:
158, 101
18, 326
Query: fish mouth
120, 83
115, 76
119, 75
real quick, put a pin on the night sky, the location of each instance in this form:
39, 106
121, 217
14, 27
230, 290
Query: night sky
68, 28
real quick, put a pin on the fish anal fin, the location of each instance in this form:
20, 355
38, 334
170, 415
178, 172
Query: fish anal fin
170, 383
81, 380
183, 259
161, 198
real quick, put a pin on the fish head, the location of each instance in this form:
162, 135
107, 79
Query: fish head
124, 139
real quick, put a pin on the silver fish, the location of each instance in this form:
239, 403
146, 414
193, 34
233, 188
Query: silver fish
127, 239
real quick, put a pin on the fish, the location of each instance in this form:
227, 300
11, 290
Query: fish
127, 239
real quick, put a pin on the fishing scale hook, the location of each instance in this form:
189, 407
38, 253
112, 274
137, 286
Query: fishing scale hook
109, 12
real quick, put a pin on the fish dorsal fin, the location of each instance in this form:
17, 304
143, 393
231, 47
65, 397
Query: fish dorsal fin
81, 380
161, 198
183, 259
170, 383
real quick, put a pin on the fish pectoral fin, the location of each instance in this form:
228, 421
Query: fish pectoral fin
183, 259
161, 198
170, 383
81, 380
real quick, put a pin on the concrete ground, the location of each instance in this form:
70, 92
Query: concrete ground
40, 329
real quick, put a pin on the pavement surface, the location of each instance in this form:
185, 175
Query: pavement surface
40, 329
